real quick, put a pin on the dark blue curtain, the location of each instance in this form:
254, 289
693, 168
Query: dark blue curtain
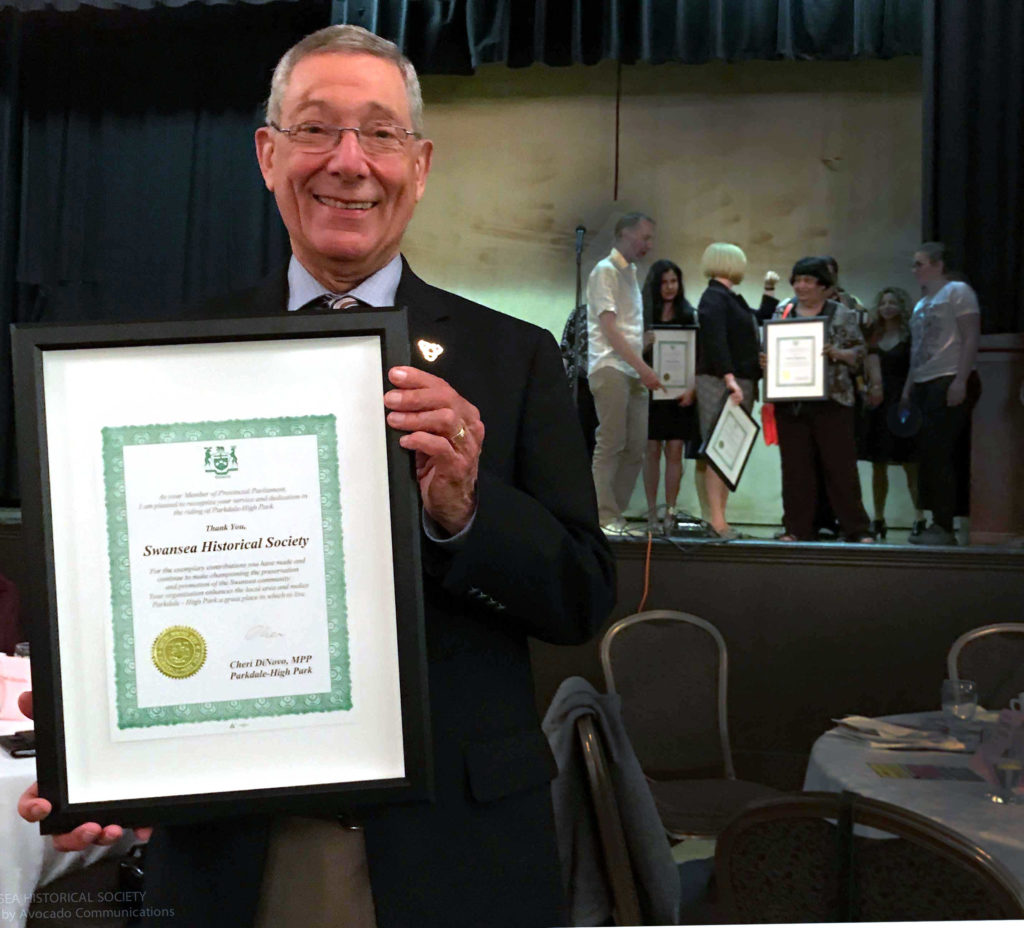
973, 139
456, 36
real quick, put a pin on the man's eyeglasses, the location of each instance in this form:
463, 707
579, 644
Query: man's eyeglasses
376, 139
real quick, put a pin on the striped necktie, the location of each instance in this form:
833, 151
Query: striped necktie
330, 302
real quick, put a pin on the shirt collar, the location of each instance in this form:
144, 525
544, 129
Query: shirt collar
377, 290
620, 262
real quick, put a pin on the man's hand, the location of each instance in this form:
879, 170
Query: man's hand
875, 395
446, 433
956, 393
770, 280
650, 379
32, 808
687, 397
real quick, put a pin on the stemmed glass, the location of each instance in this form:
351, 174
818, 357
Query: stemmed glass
959, 701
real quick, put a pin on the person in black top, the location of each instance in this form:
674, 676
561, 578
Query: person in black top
728, 366
670, 422
888, 361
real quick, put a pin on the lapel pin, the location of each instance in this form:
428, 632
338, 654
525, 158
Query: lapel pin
430, 350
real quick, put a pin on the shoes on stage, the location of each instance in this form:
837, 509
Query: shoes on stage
917, 528
616, 528
879, 528
729, 534
668, 525
933, 535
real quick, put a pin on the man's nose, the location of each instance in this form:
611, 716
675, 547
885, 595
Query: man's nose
348, 157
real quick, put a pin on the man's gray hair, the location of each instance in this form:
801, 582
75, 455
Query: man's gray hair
341, 40
630, 220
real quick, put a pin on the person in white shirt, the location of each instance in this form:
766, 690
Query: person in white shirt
945, 328
618, 375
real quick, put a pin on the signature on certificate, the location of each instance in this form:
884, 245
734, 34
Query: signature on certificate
262, 631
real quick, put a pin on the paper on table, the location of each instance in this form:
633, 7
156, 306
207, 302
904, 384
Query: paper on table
887, 736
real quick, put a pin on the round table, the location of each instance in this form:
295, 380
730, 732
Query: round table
28, 859
837, 764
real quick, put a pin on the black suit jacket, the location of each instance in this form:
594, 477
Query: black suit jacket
533, 564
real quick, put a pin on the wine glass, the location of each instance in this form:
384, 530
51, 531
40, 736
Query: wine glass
959, 701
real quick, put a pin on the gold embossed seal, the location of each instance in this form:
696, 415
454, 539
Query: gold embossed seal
179, 651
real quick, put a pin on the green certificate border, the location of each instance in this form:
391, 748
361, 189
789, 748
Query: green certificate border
339, 697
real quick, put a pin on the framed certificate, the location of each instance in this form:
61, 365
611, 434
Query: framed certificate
675, 361
794, 364
226, 609
728, 447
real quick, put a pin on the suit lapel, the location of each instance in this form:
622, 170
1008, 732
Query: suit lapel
430, 324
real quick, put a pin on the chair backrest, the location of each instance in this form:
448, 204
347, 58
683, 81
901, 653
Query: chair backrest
797, 858
670, 669
993, 657
614, 848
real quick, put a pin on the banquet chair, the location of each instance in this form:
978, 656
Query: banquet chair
798, 858
670, 670
614, 848
993, 657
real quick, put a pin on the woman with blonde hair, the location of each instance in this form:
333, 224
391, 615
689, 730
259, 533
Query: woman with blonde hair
728, 367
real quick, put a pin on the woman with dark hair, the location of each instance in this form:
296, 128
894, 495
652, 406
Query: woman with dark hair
822, 431
888, 344
945, 328
670, 422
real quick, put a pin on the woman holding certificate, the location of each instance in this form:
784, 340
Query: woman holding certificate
822, 429
670, 422
728, 369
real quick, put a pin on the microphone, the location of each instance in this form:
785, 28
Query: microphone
580, 232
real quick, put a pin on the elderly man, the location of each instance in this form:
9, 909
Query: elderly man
618, 376
513, 547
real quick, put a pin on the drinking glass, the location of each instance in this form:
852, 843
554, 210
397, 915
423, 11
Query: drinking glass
1008, 771
1006, 765
959, 701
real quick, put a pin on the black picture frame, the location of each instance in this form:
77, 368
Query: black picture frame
731, 471
687, 335
31, 345
815, 330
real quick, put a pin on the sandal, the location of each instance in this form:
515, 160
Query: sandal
862, 538
786, 536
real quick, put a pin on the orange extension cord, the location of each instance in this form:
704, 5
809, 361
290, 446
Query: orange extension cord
647, 572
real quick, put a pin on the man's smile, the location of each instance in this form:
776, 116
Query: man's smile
335, 203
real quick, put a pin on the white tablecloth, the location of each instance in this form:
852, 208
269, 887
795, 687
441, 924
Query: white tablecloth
27, 859
837, 764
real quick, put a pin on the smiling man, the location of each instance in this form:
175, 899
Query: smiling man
512, 547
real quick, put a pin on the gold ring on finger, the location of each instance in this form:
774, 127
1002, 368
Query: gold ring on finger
458, 436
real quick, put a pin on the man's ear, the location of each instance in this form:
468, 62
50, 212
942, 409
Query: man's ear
423, 159
265, 155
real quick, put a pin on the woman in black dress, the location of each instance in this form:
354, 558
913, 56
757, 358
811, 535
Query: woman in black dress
888, 341
670, 423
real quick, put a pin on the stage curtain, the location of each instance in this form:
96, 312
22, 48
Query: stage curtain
456, 36
973, 138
